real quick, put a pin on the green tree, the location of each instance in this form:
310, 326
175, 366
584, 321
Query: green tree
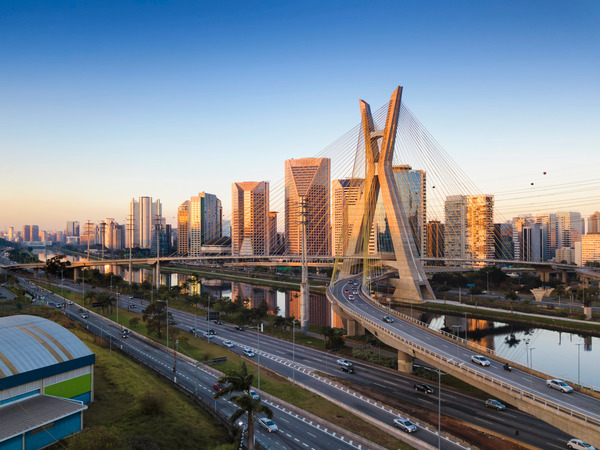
511, 296
155, 317
56, 265
241, 381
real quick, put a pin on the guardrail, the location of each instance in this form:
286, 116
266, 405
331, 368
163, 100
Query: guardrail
508, 388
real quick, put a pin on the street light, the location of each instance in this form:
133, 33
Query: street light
579, 364
439, 371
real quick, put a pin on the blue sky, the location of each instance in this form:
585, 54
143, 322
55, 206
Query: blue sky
104, 101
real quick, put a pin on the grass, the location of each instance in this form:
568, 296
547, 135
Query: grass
122, 387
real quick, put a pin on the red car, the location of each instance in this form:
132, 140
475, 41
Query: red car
218, 386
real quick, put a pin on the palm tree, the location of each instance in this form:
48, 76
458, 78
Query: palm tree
241, 381
90, 295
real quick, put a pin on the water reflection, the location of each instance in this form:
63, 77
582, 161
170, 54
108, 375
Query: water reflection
553, 352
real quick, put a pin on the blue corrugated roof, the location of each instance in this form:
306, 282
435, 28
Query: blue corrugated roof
28, 343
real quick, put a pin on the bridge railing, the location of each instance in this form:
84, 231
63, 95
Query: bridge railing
449, 362
406, 317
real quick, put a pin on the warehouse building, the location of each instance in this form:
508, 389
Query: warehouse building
46, 379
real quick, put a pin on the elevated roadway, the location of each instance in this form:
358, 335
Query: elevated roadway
576, 414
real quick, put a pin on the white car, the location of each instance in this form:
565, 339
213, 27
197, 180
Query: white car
405, 425
253, 394
248, 352
268, 424
559, 385
344, 362
228, 344
481, 360
208, 335
579, 445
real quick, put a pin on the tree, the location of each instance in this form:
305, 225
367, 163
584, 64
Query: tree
155, 317
511, 296
56, 265
241, 381
91, 295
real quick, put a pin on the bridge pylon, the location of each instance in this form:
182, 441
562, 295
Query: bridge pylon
412, 283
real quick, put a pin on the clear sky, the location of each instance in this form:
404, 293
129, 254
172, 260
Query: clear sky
102, 101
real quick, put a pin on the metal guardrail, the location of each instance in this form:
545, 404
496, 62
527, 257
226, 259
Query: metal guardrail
510, 389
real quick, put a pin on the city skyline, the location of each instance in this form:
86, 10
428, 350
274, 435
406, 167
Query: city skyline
98, 111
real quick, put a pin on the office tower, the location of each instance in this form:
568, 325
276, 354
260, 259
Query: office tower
503, 241
565, 255
89, 234
307, 184
435, 239
183, 228
412, 189
26, 233
344, 194
590, 248
11, 234
206, 218
250, 218
532, 242
35, 233
144, 214
72, 228
549, 229
469, 230
113, 235
569, 229
272, 231
593, 225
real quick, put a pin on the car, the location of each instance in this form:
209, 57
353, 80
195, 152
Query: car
424, 388
69, 302
84, 315
218, 386
344, 362
346, 291
253, 394
268, 424
559, 385
491, 403
208, 335
351, 297
388, 319
579, 445
80, 310
481, 360
58, 305
347, 369
193, 330
130, 296
239, 328
125, 333
212, 332
405, 425
172, 321
228, 344
248, 352
355, 291
217, 322
131, 306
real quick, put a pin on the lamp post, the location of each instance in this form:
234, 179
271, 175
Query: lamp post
457, 327
579, 365
527, 350
439, 371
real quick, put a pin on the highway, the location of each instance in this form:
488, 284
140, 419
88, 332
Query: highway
578, 402
295, 432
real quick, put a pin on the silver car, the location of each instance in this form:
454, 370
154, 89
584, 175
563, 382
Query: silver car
481, 360
579, 445
405, 425
268, 424
344, 362
559, 385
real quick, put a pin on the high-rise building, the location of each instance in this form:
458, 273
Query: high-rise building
503, 241
274, 247
113, 235
183, 228
206, 218
307, 184
569, 229
533, 240
435, 239
11, 234
250, 218
144, 216
590, 248
89, 234
35, 233
72, 228
549, 230
565, 255
469, 230
344, 194
26, 233
593, 225
412, 189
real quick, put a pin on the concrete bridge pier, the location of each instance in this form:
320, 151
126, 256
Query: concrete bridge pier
544, 274
354, 328
405, 362
76, 273
564, 277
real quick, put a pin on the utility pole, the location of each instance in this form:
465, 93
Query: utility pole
130, 231
304, 289
157, 226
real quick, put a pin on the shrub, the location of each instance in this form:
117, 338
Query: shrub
153, 402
